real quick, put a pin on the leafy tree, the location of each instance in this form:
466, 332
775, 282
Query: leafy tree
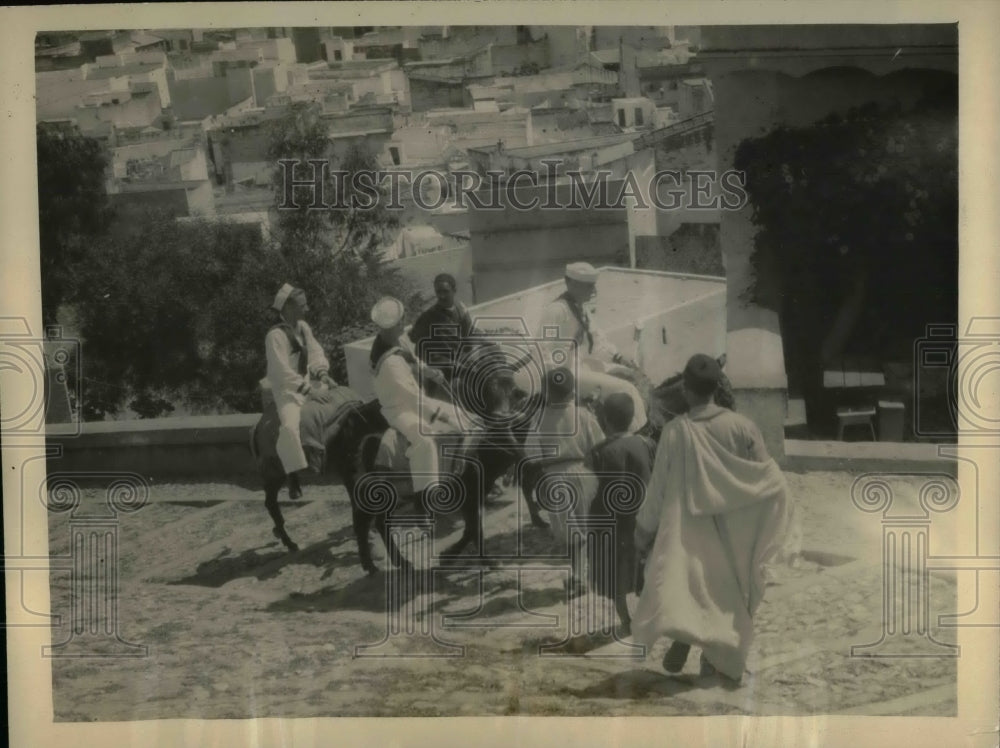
174, 315
73, 209
862, 207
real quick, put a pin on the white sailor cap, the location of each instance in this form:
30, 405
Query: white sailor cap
282, 296
583, 272
387, 312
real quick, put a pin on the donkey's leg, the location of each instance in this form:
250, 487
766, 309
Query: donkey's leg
528, 491
472, 518
273, 484
391, 548
362, 522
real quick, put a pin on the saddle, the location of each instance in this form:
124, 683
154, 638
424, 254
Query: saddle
322, 417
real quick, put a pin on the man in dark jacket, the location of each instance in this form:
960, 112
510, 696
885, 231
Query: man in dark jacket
447, 323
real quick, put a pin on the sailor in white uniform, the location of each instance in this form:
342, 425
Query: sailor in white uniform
293, 357
595, 353
397, 374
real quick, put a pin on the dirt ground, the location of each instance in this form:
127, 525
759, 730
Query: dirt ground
235, 627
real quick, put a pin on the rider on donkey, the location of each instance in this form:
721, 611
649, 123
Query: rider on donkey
595, 353
293, 356
416, 416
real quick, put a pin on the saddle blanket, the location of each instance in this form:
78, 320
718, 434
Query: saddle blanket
322, 416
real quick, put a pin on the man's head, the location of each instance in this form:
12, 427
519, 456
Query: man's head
444, 289
618, 411
559, 385
581, 281
388, 313
290, 302
701, 379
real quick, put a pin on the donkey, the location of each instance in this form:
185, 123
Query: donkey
352, 439
343, 437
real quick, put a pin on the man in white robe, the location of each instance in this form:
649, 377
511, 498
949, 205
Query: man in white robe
293, 358
595, 354
714, 515
414, 414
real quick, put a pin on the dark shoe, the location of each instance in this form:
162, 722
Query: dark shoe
294, 489
676, 657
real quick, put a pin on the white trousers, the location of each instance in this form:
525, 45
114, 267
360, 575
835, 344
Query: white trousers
423, 453
289, 447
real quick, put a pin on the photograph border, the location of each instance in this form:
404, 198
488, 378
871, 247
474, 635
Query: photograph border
30, 701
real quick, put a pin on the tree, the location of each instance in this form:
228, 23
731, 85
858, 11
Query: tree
333, 253
73, 210
857, 216
175, 315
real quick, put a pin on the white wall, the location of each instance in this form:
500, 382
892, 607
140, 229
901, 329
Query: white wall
691, 309
697, 326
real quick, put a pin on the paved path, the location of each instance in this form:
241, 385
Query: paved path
238, 628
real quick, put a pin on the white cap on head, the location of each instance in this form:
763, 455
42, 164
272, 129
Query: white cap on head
282, 296
387, 312
583, 272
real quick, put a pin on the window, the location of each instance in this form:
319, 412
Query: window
621, 118
638, 116
394, 155
337, 55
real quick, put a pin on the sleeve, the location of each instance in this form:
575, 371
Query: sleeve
318, 363
604, 349
421, 330
639, 465
409, 346
647, 520
556, 315
756, 450
280, 374
395, 387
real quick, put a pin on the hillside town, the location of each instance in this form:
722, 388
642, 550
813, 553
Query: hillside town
183, 115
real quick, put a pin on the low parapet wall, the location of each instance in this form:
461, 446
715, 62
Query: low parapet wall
217, 448
187, 448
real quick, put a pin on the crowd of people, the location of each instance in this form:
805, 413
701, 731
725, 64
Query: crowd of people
713, 508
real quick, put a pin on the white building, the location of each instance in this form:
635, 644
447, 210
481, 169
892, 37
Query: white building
677, 316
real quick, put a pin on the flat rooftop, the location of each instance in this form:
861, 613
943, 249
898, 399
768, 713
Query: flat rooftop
567, 146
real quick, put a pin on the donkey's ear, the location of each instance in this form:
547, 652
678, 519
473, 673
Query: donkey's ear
722, 361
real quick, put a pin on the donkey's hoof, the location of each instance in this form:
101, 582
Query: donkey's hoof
292, 547
369, 568
540, 523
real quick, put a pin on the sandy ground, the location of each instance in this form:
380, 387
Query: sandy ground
235, 627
